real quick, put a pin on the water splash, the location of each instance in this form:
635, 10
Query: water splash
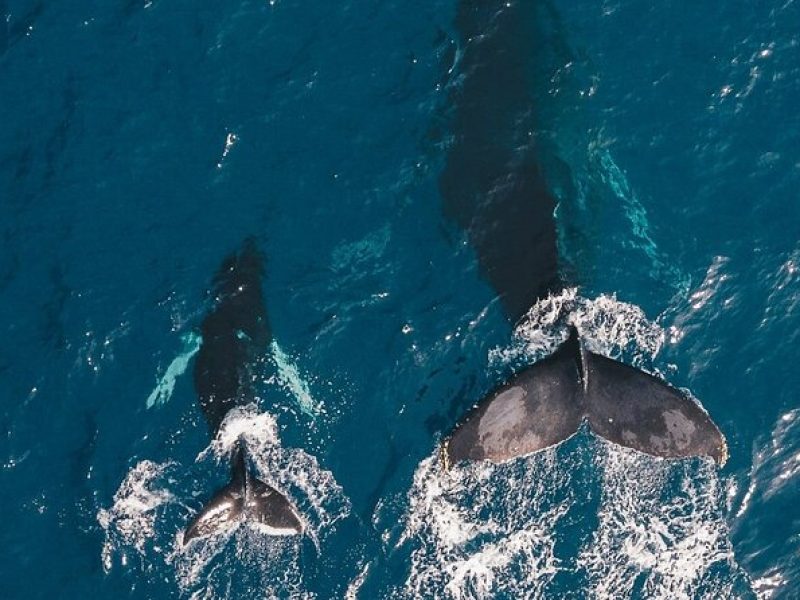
355, 585
231, 139
244, 560
606, 325
131, 521
482, 530
166, 385
662, 531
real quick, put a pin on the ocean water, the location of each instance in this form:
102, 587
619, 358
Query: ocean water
141, 141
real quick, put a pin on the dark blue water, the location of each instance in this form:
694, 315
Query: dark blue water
141, 141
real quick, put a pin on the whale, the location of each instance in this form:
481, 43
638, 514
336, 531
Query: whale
494, 187
235, 333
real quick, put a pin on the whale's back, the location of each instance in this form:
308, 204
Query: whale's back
234, 333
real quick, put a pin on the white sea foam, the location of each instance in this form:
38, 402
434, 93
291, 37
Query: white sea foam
130, 523
241, 564
482, 530
771, 585
606, 325
355, 585
231, 139
662, 531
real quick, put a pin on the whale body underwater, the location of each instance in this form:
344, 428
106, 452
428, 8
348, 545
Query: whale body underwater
494, 188
235, 333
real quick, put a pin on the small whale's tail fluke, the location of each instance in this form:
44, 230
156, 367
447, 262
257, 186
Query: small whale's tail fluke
547, 402
245, 499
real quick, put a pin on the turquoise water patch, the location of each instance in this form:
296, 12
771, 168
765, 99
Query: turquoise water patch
288, 376
166, 385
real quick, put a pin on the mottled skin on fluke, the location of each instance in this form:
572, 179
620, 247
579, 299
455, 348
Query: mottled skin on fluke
494, 188
546, 403
235, 333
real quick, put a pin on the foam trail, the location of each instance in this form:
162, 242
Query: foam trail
288, 376
138, 503
355, 585
243, 564
483, 530
166, 385
662, 533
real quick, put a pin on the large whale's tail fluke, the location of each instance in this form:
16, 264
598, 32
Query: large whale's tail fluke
546, 403
245, 499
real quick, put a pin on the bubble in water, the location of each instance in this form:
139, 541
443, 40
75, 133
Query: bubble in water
253, 564
484, 529
662, 532
131, 521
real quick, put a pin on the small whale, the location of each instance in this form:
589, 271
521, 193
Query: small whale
493, 186
234, 334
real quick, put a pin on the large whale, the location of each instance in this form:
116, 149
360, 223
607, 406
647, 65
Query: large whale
493, 186
234, 334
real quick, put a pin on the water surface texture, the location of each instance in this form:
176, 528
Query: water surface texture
141, 141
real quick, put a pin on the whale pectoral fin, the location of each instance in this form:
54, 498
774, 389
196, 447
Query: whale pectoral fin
222, 512
538, 408
270, 509
634, 409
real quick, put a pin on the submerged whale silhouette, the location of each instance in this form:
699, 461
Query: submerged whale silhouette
235, 333
494, 188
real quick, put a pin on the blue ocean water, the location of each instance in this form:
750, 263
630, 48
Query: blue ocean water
142, 141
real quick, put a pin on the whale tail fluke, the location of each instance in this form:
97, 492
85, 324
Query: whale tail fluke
245, 499
635, 409
546, 403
